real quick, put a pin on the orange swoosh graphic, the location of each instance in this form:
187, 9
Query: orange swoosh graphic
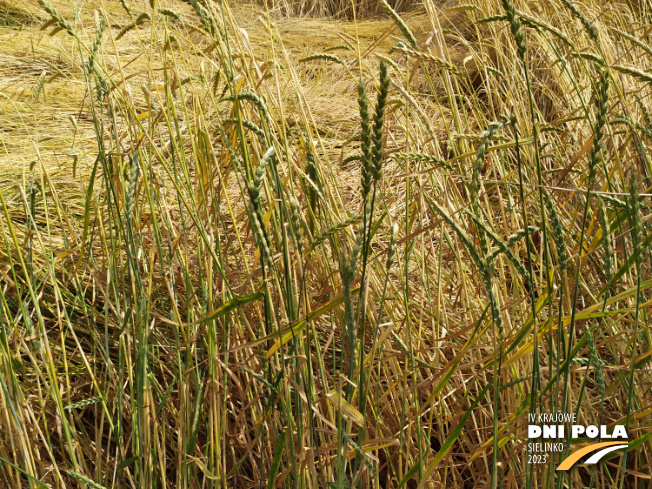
575, 456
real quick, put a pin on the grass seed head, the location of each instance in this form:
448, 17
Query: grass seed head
516, 28
379, 118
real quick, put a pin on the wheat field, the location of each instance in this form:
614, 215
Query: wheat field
323, 244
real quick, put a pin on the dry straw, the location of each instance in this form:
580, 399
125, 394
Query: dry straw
213, 300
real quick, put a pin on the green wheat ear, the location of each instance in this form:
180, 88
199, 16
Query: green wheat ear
606, 241
379, 118
56, 16
257, 222
602, 96
296, 222
39, 86
170, 13
475, 180
249, 125
635, 222
255, 99
95, 47
585, 22
256, 184
407, 33
485, 139
348, 268
126, 6
365, 137
557, 231
330, 232
139, 20
322, 57
84, 403
85, 480
596, 361
634, 73
515, 26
